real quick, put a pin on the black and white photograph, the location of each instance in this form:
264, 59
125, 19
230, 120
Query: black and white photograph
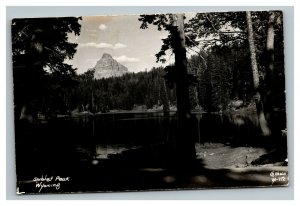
149, 102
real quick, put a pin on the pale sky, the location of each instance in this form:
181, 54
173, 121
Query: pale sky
121, 37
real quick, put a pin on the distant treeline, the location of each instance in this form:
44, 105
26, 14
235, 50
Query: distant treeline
221, 77
121, 93
220, 73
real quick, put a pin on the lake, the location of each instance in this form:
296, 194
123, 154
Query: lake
87, 148
111, 133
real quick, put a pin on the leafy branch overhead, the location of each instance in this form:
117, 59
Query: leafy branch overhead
48, 39
207, 26
163, 22
211, 30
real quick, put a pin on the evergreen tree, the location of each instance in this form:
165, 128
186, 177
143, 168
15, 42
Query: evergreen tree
39, 48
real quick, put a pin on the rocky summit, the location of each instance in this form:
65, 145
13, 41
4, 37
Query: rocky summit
108, 67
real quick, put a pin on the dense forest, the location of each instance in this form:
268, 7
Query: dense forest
224, 84
219, 70
220, 75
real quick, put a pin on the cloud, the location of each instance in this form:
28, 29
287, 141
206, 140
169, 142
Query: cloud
119, 46
124, 58
102, 27
103, 45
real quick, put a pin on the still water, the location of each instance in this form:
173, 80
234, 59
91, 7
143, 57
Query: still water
113, 133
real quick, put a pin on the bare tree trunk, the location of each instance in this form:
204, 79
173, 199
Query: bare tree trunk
185, 145
269, 78
258, 101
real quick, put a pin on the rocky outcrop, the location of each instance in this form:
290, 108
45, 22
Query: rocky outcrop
108, 67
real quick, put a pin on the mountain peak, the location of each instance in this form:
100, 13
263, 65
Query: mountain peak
106, 56
108, 67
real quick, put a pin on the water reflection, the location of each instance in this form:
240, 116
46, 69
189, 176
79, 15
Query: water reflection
113, 133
